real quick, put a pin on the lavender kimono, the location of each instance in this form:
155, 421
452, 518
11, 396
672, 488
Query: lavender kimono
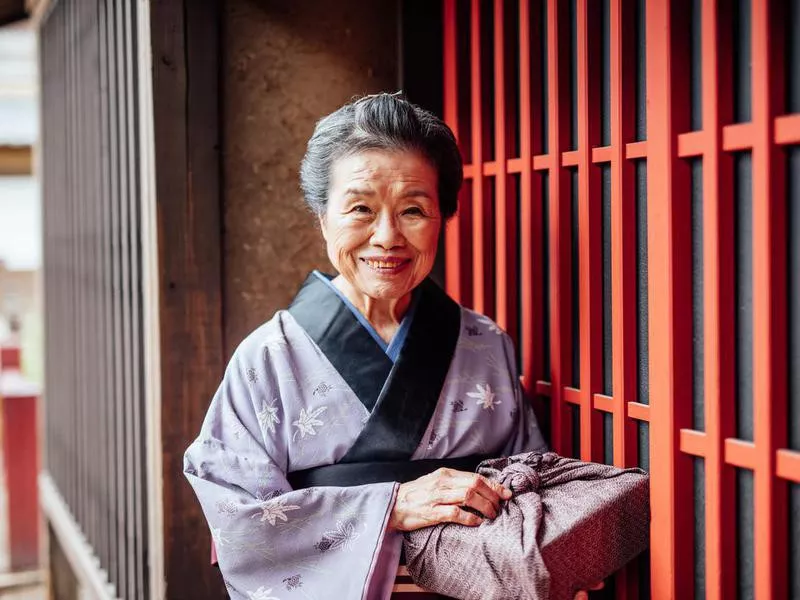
312, 387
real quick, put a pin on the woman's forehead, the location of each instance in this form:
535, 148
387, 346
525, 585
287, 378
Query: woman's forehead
373, 168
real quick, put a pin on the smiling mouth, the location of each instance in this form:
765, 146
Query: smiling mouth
386, 265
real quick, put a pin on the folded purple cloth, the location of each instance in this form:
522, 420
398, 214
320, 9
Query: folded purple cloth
570, 524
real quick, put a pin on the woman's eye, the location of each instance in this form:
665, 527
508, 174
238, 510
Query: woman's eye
414, 211
361, 209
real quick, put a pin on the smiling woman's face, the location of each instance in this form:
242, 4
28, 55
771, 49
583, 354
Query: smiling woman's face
382, 221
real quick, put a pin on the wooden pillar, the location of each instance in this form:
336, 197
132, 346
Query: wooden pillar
185, 95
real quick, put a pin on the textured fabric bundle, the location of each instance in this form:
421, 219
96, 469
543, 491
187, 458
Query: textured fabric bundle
570, 524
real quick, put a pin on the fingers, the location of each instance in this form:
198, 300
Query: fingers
439, 496
490, 490
584, 594
470, 489
467, 497
481, 504
477, 484
453, 514
598, 586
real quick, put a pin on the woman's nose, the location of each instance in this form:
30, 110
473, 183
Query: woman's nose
386, 234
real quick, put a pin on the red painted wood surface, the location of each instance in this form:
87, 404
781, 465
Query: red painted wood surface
590, 241
624, 311
19, 399
670, 143
481, 210
670, 294
769, 300
559, 217
457, 260
10, 358
21, 462
719, 319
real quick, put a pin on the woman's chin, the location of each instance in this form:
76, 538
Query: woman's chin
387, 290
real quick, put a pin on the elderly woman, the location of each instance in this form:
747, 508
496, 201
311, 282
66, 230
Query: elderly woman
359, 412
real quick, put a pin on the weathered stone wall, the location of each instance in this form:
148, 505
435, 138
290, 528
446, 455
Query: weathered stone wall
286, 63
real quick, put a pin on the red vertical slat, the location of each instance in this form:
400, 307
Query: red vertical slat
718, 310
505, 218
624, 311
558, 52
669, 293
454, 265
623, 228
590, 227
530, 216
479, 268
769, 300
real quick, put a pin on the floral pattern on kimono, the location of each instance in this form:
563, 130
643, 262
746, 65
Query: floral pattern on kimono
282, 407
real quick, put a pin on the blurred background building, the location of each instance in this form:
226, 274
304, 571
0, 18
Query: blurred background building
631, 216
20, 309
20, 222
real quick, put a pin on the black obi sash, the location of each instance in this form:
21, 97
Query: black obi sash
401, 397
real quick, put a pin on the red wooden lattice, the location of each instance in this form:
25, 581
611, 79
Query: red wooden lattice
495, 256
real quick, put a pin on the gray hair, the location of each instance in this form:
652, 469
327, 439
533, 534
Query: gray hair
386, 122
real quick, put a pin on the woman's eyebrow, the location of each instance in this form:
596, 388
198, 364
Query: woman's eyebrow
356, 191
416, 193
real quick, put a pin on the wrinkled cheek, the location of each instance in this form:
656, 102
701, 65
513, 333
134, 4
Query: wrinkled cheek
340, 253
344, 262
426, 261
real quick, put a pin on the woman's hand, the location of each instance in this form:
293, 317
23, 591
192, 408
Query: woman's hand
584, 594
439, 496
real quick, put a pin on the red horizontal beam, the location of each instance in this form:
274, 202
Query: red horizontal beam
693, 442
570, 158
543, 388
572, 395
515, 165
692, 144
639, 411
689, 144
788, 465
541, 162
603, 403
787, 129
636, 150
740, 453
601, 154
737, 137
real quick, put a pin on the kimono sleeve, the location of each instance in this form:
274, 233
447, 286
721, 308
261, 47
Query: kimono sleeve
272, 540
527, 436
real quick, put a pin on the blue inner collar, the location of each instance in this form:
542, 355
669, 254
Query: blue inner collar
392, 349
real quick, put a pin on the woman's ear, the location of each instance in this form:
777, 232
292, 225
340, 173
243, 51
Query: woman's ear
322, 225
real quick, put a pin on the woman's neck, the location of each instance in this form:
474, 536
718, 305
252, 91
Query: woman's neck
385, 316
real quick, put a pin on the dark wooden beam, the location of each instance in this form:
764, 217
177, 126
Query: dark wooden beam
15, 160
11, 11
185, 50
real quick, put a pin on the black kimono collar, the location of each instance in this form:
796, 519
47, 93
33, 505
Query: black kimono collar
401, 397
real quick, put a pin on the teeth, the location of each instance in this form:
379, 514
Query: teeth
380, 264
